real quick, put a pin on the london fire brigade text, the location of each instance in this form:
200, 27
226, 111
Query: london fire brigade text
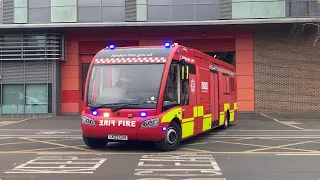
118, 123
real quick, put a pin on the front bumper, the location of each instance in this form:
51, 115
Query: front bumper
133, 133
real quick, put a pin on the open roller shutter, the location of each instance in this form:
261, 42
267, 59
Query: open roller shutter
209, 45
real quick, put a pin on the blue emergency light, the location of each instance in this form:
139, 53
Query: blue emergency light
143, 114
111, 46
167, 45
94, 113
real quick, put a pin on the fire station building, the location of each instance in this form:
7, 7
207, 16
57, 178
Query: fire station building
46, 47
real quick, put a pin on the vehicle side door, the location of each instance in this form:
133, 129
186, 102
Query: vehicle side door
188, 99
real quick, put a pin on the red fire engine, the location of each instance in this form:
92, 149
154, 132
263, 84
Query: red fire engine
162, 94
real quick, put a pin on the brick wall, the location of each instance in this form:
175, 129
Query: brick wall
287, 72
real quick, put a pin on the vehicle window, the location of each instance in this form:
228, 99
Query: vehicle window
172, 90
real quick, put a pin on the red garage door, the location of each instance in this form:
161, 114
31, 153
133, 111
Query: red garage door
92, 47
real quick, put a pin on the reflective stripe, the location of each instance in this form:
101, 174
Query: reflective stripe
221, 118
177, 112
206, 123
187, 120
187, 124
187, 129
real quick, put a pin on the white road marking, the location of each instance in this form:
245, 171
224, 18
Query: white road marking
19, 121
282, 122
171, 166
52, 132
59, 165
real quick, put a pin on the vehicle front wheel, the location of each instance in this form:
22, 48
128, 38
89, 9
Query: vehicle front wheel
172, 139
94, 143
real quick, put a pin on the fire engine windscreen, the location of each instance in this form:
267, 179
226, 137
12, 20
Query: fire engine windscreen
125, 83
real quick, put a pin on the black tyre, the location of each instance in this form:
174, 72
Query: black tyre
94, 143
172, 139
226, 121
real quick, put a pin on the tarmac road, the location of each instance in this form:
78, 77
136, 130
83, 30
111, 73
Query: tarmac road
256, 147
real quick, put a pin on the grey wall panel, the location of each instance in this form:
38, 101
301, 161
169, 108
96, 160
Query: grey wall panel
113, 2
89, 14
50, 71
1, 15
225, 9
8, 11
55, 92
37, 72
45, 15
31, 47
86, 3
159, 13
207, 12
39, 3
182, 12
159, 2
113, 14
206, 1
131, 10
12, 72
177, 2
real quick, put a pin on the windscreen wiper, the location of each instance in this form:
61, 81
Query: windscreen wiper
125, 105
103, 105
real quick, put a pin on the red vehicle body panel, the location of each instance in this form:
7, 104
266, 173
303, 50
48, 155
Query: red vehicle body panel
211, 99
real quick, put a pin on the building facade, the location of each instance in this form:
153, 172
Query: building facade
46, 47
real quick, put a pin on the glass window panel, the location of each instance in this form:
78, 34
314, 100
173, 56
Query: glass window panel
37, 97
64, 14
142, 2
141, 12
20, 3
39, 3
20, 15
13, 97
63, 2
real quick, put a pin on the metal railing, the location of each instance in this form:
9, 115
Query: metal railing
13, 108
31, 106
16, 107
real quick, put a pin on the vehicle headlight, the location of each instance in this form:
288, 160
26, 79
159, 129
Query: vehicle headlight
150, 123
87, 120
